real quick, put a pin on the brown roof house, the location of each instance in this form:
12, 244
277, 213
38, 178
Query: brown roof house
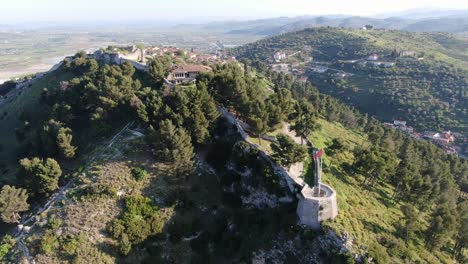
186, 73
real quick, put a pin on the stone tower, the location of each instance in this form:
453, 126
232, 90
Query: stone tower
318, 203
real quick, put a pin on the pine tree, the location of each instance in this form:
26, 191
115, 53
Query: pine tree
258, 126
56, 140
12, 202
287, 152
411, 216
305, 119
461, 238
64, 143
158, 68
442, 225
40, 176
173, 144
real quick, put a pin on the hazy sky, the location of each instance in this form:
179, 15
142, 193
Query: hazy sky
14, 11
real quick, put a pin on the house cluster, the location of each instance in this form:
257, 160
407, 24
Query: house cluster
373, 60
407, 53
186, 64
302, 79
143, 54
189, 55
443, 139
401, 125
296, 65
279, 56
319, 68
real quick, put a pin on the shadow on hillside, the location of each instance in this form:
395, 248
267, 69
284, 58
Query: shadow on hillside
339, 174
383, 197
374, 227
211, 222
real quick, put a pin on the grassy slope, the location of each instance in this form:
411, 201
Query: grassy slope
368, 216
27, 102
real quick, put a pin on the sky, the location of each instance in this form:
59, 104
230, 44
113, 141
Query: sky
19, 11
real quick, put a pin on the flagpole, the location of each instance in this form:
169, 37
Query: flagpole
320, 175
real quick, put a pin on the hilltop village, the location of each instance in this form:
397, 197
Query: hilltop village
186, 64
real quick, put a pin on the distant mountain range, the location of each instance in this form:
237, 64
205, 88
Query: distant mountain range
419, 20
416, 20
424, 13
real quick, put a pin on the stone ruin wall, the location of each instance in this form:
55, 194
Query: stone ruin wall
311, 210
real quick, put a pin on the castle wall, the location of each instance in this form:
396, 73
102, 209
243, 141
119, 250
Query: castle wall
311, 210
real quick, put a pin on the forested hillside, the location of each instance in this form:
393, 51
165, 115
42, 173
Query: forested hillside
121, 167
428, 89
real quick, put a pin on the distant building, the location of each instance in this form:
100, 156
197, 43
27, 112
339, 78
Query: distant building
407, 53
388, 125
278, 56
441, 140
319, 69
373, 57
367, 27
64, 85
448, 135
399, 123
303, 79
429, 135
186, 73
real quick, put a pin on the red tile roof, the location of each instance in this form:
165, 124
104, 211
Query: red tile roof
190, 68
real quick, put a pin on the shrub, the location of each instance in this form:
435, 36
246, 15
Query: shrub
49, 242
140, 220
53, 222
94, 192
5, 246
139, 174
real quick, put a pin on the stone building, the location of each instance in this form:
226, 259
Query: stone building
186, 73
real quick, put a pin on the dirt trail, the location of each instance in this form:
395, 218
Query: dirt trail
287, 130
297, 169
57, 197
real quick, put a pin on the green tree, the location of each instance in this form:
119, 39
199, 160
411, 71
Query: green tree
12, 202
49, 242
287, 152
141, 219
258, 126
229, 86
411, 217
442, 225
173, 144
150, 111
159, 67
40, 176
334, 147
6, 245
461, 238
374, 164
305, 118
64, 143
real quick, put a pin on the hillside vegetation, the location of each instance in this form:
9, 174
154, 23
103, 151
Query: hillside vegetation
430, 93
25, 111
122, 167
